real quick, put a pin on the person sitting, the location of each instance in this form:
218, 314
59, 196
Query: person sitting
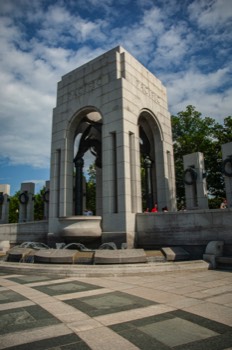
224, 204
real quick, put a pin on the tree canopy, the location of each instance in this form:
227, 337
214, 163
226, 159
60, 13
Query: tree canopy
91, 189
193, 133
14, 208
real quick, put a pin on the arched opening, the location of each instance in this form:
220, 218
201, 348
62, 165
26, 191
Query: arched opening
87, 161
150, 155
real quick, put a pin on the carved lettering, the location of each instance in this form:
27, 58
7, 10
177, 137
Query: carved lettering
146, 91
85, 88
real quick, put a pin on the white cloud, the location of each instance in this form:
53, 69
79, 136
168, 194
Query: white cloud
60, 27
154, 19
200, 90
172, 46
28, 87
211, 13
140, 37
61, 39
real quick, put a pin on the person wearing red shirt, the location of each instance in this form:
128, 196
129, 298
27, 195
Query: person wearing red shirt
155, 209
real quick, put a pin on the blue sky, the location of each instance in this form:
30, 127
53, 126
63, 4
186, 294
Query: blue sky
187, 44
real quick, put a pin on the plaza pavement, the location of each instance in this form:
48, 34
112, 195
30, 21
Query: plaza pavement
179, 309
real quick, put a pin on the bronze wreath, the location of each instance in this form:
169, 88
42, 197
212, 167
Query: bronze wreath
227, 161
23, 198
193, 176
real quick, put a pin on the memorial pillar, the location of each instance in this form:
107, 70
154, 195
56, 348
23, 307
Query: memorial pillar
148, 180
26, 202
79, 163
4, 203
46, 200
227, 170
195, 181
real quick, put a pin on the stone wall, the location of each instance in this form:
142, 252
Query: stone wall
35, 231
191, 230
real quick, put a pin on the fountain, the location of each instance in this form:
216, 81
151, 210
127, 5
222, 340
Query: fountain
74, 253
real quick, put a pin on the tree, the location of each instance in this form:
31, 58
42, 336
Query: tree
14, 208
193, 133
91, 189
39, 205
223, 133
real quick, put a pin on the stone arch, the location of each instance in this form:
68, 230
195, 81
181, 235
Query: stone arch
85, 123
76, 119
118, 87
151, 151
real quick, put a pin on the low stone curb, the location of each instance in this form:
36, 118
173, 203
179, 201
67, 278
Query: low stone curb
102, 270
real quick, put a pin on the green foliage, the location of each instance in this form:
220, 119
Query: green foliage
39, 205
193, 133
92, 173
91, 189
214, 203
14, 208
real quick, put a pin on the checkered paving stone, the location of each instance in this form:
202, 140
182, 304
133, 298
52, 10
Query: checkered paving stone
8, 296
109, 303
24, 279
66, 342
20, 319
177, 330
66, 287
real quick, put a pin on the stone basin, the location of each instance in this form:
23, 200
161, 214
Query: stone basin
63, 256
121, 256
80, 228
71, 256
17, 254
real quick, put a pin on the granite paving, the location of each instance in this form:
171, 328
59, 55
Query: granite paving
182, 310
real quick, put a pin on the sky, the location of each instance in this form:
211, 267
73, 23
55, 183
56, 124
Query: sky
186, 44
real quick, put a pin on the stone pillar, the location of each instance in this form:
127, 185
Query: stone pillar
46, 200
227, 170
79, 163
84, 193
148, 179
98, 191
4, 203
195, 181
26, 202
